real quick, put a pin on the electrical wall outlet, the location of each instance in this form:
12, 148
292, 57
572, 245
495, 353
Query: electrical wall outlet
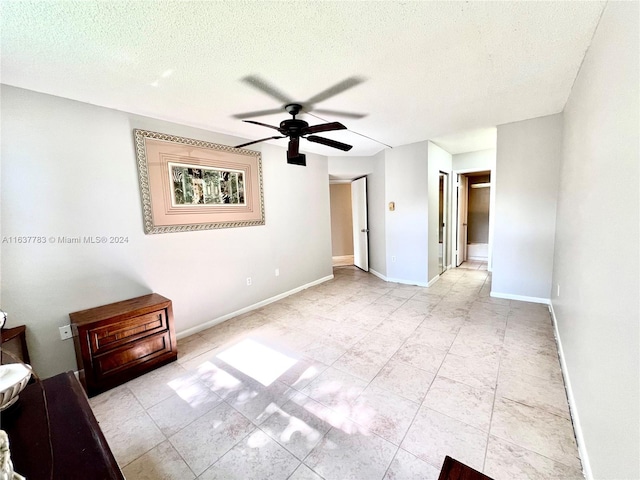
393, 258
249, 281
277, 272
65, 332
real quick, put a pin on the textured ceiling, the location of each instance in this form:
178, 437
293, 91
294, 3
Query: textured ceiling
430, 70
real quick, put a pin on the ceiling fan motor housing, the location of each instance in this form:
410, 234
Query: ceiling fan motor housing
292, 127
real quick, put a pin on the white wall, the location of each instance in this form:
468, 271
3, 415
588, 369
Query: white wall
406, 227
439, 161
596, 248
475, 161
373, 169
69, 169
526, 184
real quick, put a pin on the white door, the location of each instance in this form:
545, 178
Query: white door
461, 250
360, 228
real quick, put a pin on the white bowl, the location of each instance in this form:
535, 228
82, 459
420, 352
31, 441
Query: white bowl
13, 379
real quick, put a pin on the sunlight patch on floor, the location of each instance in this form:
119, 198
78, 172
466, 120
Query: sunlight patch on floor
258, 361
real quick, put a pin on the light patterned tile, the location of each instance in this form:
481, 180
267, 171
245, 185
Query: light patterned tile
429, 337
256, 457
380, 310
430, 296
479, 372
159, 384
159, 463
506, 461
326, 351
404, 291
384, 413
536, 430
302, 373
304, 473
179, 410
396, 328
341, 455
477, 340
258, 402
203, 442
404, 380
192, 346
299, 424
336, 389
434, 435
538, 363
534, 391
406, 466
365, 359
443, 322
115, 406
488, 308
419, 356
470, 405
131, 438
412, 309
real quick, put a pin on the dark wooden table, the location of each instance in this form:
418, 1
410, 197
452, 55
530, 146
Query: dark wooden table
452, 469
66, 444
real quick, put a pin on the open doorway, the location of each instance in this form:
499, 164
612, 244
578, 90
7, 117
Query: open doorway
349, 223
443, 209
472, 239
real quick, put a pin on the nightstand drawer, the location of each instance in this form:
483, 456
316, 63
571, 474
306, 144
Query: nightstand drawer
130, 355
117, 334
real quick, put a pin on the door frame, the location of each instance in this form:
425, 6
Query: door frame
446, 206
492, 203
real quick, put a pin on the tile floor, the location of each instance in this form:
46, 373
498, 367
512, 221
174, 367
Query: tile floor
354, 379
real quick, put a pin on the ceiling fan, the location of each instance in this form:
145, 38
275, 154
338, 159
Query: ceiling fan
296, 129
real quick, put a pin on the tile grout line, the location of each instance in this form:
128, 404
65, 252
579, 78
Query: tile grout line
495, 396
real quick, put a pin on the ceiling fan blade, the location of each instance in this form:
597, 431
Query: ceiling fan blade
265, 87
339, 87
325, 127
339, 113
258, 113
257, 141
261, 124
329, 143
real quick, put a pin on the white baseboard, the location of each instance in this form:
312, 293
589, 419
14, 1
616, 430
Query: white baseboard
395, 280
404, 282
216, 321
378, 274
521, 298
577, 427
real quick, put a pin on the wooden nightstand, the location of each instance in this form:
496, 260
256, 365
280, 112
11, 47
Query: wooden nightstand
120, 341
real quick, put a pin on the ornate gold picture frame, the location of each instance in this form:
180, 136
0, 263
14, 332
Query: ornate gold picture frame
189, 184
